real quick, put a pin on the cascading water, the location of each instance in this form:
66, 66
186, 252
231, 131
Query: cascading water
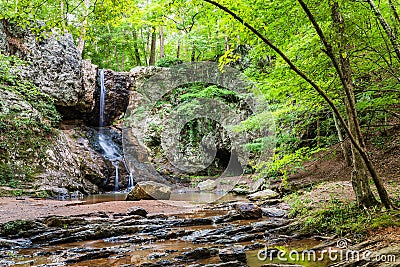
116, 163
110, 149
102, 98
131, 182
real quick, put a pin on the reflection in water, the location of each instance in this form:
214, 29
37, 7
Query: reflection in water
93, 199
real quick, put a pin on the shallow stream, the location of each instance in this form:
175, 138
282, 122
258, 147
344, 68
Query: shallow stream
162, 240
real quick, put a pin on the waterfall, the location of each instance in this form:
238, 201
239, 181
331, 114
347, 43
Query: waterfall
131, 182
109, 148
115, 163
102, 98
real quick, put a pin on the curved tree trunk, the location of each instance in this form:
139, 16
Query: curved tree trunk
342, 144
359, 175
394, 11
359, 147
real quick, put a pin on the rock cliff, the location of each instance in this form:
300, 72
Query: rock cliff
71, 159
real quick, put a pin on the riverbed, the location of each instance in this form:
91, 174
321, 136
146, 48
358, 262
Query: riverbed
103, 230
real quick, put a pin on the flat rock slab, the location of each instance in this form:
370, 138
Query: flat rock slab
240, 191
274, 212
233, 253
262, 195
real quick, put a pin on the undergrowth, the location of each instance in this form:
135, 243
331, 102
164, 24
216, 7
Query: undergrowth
346, 219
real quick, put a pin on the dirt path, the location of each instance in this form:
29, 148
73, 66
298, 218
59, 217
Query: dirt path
28, 208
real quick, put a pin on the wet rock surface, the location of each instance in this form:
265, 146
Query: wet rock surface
233, 253
248, 210
274, 212
72, 164
137, 211
206, 241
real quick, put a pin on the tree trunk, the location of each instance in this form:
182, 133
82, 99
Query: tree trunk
178, 49
152, 60
193, 55
162, 53
394, 10
359, 176
81, 42
342, 144
364, 154
116, 57
386, 27
318, 131
147, 47
136, 48
63, 17
227, 43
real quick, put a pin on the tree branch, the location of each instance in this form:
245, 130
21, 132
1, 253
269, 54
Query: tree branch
353, 140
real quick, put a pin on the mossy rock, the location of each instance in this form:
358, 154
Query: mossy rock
17, 227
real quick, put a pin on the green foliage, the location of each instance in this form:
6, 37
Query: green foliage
15, 227
213, 92
168, 62
344, 219
118, 35
287, 163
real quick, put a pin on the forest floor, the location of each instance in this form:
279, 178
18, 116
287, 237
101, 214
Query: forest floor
329, 170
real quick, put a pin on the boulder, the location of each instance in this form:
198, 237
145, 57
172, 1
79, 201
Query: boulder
240, 191
248, 210
207, 185
149, 190
233, 253
257, 185
56, 65
261, 195
136, 211
273, 212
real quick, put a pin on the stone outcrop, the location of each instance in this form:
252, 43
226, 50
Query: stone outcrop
71, 163
118, 87
54, 65
233, 253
